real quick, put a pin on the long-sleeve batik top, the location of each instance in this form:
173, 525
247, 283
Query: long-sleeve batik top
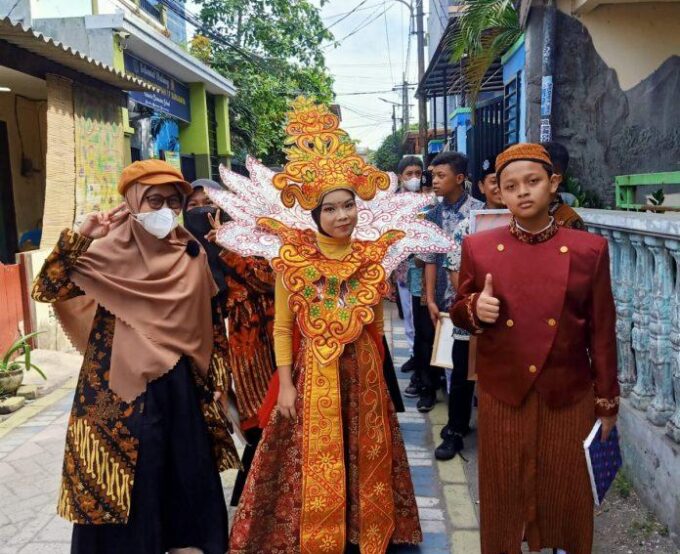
448, 216
102, 444
250, 312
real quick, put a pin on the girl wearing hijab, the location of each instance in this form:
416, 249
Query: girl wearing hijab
147, 436
330, 474
247, 294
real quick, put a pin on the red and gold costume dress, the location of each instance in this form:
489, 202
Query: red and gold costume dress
339, 472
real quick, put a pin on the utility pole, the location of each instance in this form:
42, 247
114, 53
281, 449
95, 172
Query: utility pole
548, 69
404, 100
422, 101
394, 112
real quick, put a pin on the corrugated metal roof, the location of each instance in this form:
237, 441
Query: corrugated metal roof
41, 45
444, 77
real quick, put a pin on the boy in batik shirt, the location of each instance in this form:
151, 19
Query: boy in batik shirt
448, 178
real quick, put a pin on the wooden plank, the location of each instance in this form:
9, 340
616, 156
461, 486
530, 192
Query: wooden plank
11, 315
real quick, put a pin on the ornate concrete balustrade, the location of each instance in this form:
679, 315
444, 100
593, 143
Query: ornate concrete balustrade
645, 259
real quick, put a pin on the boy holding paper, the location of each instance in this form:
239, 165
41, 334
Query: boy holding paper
449, 170
539, 298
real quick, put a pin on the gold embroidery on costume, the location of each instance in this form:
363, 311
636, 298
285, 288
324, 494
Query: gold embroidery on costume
333, 301
470, 311
322, 158
607, 403
376, 502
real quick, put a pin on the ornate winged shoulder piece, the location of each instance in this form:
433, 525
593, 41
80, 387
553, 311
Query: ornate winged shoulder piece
248, 200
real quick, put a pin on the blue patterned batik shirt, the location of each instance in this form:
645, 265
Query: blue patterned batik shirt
448, 216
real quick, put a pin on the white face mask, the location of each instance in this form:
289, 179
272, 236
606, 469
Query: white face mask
412, 185
159, 223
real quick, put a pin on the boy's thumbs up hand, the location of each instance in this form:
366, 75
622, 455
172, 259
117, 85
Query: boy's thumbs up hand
488, 306
488, 285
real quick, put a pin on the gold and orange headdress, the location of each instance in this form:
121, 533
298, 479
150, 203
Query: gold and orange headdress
322, 158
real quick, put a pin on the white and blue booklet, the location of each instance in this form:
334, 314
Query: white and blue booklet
603, 459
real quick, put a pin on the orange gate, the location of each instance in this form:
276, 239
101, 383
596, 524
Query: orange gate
13, 305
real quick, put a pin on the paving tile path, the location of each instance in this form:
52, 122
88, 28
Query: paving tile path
449, 521
32, 442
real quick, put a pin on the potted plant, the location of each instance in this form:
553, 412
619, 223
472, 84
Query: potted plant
15, 361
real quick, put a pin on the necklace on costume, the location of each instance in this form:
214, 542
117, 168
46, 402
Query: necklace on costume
528, 237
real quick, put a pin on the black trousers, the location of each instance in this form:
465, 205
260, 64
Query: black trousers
253, 437
426, 375
391, 379
461, 390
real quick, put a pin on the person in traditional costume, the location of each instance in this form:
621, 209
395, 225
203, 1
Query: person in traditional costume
147, 436
539, 298
247, 297
331, 468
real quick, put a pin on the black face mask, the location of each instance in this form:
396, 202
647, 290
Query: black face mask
197, 223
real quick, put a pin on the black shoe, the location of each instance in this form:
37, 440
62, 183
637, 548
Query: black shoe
412, 391
426, 403
449, 447
448, 432
409, 365
445, 432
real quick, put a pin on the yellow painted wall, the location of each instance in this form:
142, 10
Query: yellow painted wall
633, 39
29, 191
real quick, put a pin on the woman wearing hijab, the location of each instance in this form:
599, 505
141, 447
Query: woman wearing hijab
330, 474
247, 291
147, 435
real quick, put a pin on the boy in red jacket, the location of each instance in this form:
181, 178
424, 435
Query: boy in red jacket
539, 299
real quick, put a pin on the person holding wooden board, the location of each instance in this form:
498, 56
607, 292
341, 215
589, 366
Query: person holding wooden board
448, 178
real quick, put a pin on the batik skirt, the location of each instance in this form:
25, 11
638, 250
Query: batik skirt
177, 498
268, 518
533, 478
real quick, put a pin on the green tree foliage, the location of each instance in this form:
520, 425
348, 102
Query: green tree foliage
486, 30
274, 55
388, 154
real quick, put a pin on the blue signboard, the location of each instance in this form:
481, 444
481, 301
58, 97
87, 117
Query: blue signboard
173, 98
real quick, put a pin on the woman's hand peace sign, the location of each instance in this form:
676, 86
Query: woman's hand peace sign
215, 224
98, 224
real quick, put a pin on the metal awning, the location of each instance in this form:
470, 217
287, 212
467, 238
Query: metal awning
50, 49
444, 77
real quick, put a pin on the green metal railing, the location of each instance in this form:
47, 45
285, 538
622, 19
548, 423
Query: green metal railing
627, 185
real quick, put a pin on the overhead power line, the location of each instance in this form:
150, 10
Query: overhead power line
357, 8
363, 93
370, 19
387, 38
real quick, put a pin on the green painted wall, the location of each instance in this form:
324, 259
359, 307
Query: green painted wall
193, 138
223, 134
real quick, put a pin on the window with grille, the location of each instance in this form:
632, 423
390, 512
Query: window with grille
512, 111
212, 137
